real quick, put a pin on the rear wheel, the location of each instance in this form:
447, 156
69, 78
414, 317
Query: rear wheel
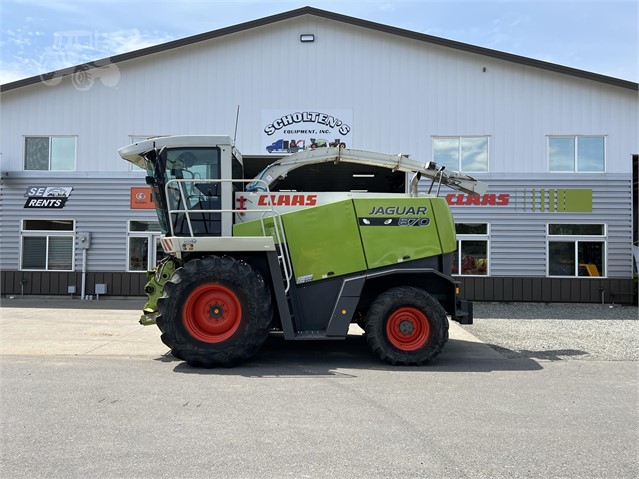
406, 326
215, 311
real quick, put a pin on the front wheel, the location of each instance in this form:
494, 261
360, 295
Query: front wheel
406, 326
215, 311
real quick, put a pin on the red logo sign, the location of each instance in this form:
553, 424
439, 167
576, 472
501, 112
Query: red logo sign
141, 198
287, 200
490, 199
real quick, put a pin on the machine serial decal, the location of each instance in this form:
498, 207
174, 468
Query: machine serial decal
381, 221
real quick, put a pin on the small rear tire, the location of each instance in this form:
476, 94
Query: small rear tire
406, 326
215, 311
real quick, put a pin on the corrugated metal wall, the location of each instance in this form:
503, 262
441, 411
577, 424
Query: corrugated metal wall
511, 289
99, 205
518, 235
549, 290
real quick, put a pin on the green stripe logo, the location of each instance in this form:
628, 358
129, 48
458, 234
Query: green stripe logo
563, 200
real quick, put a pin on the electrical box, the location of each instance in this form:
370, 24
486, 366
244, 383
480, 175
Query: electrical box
84, 240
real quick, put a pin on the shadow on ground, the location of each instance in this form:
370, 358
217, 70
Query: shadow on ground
280, 358
546, 355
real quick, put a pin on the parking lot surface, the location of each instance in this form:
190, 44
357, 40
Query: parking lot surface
88, 392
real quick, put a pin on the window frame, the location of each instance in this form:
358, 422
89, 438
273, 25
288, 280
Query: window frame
459, 151
576, 239
151, 237
575, 159
460, 237
24, 233
50, 137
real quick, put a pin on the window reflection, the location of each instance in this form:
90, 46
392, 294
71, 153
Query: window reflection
474, 154
576, 153
461, 153
590, 154
446, 152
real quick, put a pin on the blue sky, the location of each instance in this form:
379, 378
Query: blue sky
597, 36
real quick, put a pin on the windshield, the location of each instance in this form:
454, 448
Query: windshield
192, 163
186, 171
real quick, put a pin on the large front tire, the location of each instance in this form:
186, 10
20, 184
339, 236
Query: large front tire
406, 326
215, 311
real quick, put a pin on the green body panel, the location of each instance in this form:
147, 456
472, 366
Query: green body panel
397, 229
362, 233
324, 241
445, 224
153, 288
256, 228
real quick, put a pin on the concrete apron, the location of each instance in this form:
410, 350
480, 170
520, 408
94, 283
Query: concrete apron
109, 327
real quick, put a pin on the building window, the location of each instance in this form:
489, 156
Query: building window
50, 153
47, 245
582, 154
461, 153
576, 250
141, 234
472, 249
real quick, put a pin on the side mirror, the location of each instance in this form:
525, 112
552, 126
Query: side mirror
150, 181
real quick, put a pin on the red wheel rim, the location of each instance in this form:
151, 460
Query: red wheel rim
212, 313
408, 329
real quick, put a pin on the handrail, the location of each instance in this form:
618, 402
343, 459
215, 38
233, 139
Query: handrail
278, 228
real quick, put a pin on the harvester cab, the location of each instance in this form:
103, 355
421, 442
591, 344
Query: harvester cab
244, 259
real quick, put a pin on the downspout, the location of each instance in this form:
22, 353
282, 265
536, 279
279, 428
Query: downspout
84, 273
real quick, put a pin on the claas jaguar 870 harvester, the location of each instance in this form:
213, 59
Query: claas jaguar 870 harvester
244, 259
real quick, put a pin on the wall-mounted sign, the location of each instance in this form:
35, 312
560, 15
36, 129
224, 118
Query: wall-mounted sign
47, 196
540, 200
560, 200
141, 198
290, 131
489, 199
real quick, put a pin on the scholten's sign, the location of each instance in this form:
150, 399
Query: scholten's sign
47, 196
290, 131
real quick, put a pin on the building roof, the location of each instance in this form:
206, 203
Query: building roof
339, 18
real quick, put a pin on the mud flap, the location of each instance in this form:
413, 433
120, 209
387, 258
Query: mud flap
463, 312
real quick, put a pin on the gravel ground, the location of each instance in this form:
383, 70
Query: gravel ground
558, 331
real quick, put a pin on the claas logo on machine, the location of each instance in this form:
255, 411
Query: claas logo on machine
287, 200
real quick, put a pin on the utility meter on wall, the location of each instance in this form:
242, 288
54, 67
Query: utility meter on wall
84, 240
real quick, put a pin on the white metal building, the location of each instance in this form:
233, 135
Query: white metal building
554, 144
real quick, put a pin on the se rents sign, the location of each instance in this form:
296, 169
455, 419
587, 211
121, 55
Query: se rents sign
49, 197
